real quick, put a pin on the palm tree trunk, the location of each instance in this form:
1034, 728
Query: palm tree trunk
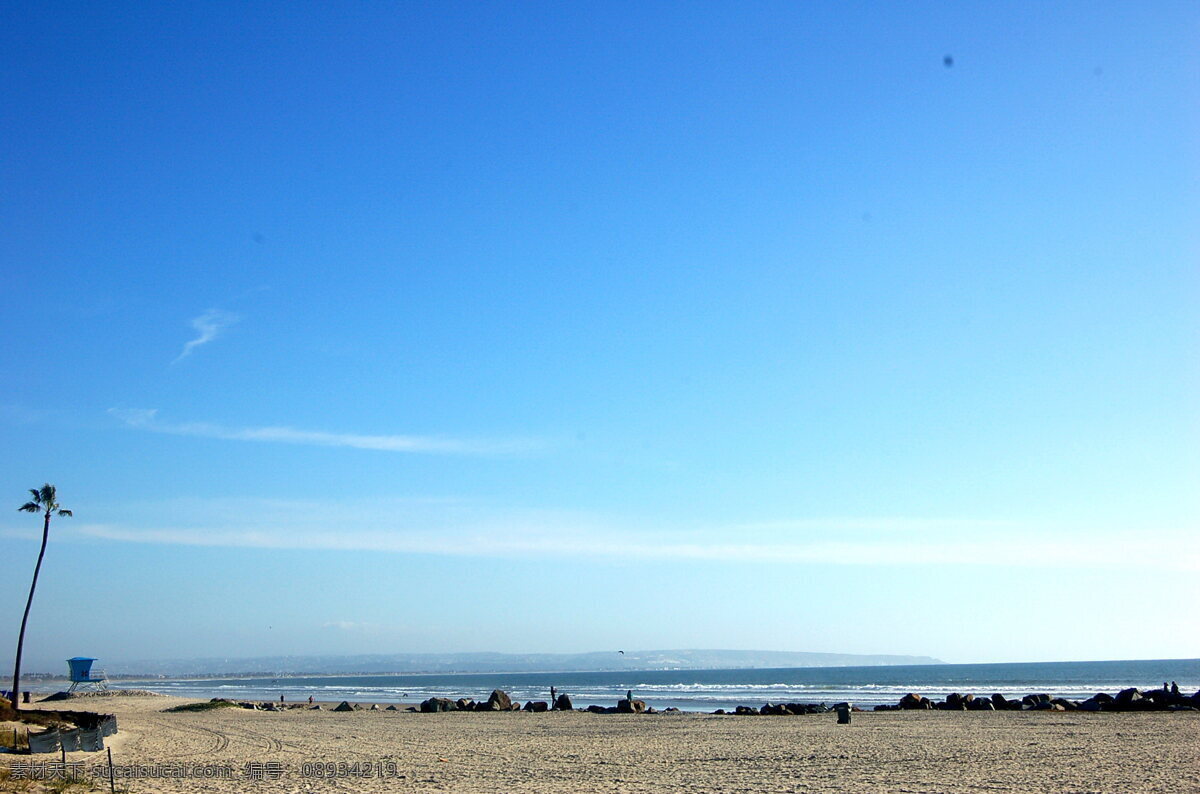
16, 695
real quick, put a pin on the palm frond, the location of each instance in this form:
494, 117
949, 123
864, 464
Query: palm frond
29, 507
37, 495
65, 513
48, 494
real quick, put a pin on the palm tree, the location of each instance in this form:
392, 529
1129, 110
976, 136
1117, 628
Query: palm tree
44, 500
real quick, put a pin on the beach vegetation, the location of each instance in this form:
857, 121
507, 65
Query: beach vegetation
45, 501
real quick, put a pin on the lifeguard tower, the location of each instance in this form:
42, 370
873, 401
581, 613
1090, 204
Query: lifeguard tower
82, 676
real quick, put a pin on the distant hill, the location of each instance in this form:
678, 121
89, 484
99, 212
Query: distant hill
509, 662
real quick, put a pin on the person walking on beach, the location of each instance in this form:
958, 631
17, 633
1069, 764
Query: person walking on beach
310, 700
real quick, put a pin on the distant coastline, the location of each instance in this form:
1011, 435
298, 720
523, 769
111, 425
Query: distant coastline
497, 663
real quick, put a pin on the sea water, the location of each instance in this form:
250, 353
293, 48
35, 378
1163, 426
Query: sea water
707, 690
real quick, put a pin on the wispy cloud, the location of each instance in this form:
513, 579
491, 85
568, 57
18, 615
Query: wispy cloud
209, 326
147, 419
471, 531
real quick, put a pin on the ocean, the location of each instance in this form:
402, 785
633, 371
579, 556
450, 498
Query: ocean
707, 690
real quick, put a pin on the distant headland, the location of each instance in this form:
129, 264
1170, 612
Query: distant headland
484, 662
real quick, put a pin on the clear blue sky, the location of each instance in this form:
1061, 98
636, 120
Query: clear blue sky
369, 327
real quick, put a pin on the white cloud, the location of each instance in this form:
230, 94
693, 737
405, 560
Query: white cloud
450, 530
147, 419
209, 326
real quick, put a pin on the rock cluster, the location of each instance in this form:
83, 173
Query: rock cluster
1169, 698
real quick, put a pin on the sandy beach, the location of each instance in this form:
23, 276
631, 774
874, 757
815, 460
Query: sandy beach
302, 750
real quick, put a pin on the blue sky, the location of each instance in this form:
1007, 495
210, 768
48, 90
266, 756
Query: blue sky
373, 327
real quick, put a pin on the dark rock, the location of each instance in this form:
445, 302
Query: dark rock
563, 703
626, 706
498, 701
719, 711
914, 701
886, 707
671, 710
537, 705
438, 704
315, 708
956, 702
745, 711
465, 705
981, 704
597, 709
344, 706
651, 710
391, 708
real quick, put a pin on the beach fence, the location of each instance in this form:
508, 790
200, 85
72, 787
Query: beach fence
88, 740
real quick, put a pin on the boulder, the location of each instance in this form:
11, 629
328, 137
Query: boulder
465, 705
438, 704
914, 701
343, 706
563, 703
625, 706
315, 708
745, 710
719, 711
498, 701
981, 704
597, 709
537, 705
956, 702
392, 708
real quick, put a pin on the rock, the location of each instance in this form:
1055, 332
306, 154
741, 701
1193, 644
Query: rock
719, 711
374, 707
1129, 696
914, 701
391, 708
955, 702
315, 708
671, 710
344, 706
596, 709
745, 711
438, 704
651, 710
625, 706
563, 703
537, 705
498, 701
981, 704
465, 705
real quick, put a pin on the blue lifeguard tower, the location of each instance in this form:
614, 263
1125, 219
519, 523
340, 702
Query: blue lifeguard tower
81, 675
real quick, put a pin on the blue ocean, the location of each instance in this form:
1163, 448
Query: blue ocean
707, 690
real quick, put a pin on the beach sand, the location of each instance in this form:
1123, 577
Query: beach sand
573, 752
